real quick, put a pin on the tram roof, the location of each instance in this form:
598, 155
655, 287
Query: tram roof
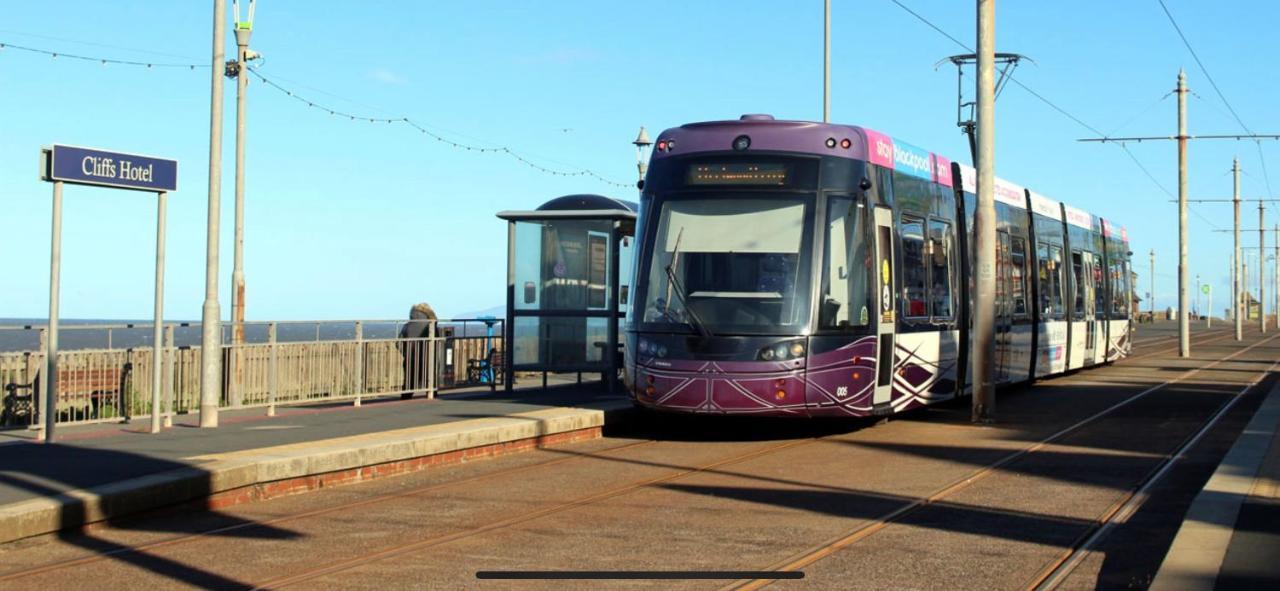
767, 133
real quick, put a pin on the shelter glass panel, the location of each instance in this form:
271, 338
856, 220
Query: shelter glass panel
562, 264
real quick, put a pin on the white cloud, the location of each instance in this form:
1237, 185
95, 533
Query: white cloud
386, 76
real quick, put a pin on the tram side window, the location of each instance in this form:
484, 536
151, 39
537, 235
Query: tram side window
1017, 272
1050, 258
940, 262
1120, 290
1077, 283
914, 272
1002, 273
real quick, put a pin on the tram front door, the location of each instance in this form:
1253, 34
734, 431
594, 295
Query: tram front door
885, 320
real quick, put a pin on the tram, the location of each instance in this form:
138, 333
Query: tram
793, 268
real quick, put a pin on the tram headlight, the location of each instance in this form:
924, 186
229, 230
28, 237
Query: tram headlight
741, 143
782, 351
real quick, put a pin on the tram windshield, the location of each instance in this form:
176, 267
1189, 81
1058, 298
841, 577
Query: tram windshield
739, 263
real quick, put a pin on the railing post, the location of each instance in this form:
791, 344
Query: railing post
359, 361
170, 354
431, 359
273, 368
44, 386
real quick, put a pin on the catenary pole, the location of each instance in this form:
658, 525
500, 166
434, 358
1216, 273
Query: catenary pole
1236, 263
984, 221
826, 61
1184, 324
1152, 280
211, 326
1262, 258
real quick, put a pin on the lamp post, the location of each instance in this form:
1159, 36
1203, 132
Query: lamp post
642, 145
237, 69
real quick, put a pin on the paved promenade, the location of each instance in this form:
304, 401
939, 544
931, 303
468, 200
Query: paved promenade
104, 471
1071, 488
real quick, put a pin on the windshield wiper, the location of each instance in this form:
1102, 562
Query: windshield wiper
678, 289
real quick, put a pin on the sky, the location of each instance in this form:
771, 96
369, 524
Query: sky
348, 219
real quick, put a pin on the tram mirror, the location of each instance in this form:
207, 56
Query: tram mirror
530, 292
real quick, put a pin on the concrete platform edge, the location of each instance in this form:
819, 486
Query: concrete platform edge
1200, 546
219, 474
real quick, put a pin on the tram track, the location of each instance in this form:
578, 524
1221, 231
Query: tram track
415, 545
364, 503
1054, 574
409, 547
879, 523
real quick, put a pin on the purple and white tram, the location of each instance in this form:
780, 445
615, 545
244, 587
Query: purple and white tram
809, 269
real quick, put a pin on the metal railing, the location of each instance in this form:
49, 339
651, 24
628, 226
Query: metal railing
264, 371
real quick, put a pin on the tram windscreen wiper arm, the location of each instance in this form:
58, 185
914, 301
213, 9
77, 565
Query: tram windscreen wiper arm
694, 320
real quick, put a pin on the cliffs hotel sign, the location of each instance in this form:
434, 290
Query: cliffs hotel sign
89, 166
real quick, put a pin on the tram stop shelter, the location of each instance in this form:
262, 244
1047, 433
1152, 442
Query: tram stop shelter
568, 277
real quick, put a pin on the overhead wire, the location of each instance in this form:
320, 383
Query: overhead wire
1055, 107
1204, 70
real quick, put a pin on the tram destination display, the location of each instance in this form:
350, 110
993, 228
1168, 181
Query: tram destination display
739, 173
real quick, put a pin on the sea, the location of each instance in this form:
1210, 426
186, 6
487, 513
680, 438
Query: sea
23, 334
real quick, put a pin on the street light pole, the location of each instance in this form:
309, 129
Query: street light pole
642, 144
243, 31
826, 61
984, 401
211, 327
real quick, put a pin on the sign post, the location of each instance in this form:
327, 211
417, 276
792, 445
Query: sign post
89, 166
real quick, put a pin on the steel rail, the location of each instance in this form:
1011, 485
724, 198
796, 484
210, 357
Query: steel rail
824, 550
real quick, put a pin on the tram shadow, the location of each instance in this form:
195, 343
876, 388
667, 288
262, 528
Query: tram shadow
664, 426
71, 474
